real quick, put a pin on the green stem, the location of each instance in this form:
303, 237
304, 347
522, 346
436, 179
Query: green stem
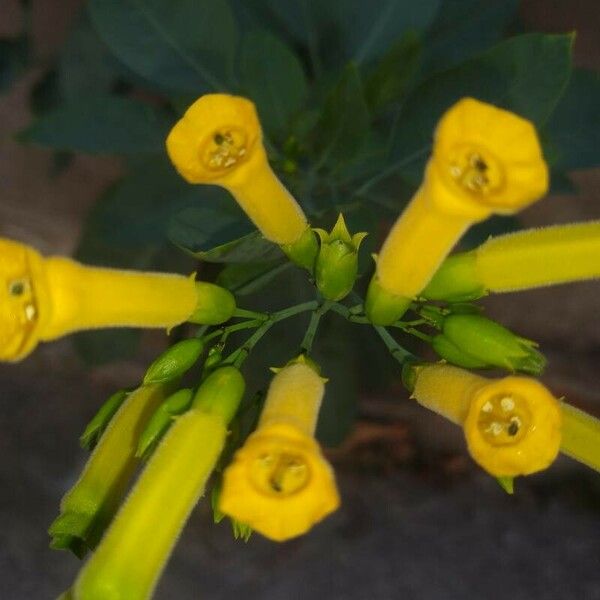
396, 350
250, 314
309, 336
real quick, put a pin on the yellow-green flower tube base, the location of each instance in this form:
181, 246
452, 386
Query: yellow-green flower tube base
581, 436
526, 259
219, 141
88, 507
512, 425
134, 551
42, 299
278, 482
485, 160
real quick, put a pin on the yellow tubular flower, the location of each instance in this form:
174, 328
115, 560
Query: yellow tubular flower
485, 160
135, 549
42, 299
88, 506
581, 436
219, 141
522, 260
512, 425
278, 482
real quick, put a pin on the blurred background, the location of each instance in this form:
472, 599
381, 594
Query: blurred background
418, 519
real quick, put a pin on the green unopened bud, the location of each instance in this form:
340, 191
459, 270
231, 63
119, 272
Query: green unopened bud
90, 504
303, 251
213, 360
491, 343
96, 427
337, 263
175, 361
220, 393
383, 307
136, 547
215, 304
456, 280
176, 404
454, 355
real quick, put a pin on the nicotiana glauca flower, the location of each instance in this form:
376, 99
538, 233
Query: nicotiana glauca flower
219, 141
516, 261
87, 508
337, 262
581, 436
512, 425
485, 160
136, 547
488, 343
42, 299
278, 482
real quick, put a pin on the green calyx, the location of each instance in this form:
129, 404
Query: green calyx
175, 361
337, 263
96, 427
214, 306
450, 352
176, 404
221, 393
456, 280
303, 251
383, 307
481, 339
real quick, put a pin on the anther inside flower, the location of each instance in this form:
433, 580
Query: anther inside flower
475, 170
224, 149
513, 426
279, 474
504, 419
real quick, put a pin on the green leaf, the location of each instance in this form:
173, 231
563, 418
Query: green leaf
14, 56
86, 68
352, 29
273, 77
135, 212
574, 128
101, 125
526, 74
391, 76
463, 28
344, 124
246, 278
217, 231
186, 47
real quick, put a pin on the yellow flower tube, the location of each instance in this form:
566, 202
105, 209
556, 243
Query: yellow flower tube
485, 160
219, 141
42, 299
278, 482
512, 425
87, 508
522, 260
136, 547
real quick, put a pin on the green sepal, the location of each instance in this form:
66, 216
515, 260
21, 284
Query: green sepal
241, 531
215, 305
303, 251
215, 496
507, 484
176, 404
383, 307
447, 350
456, 280
337, 262
491, 343
221, 393
213, 360
96, 427
175, 361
